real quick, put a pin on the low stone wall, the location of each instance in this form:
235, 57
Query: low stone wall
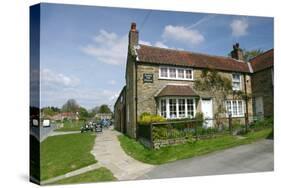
157, 144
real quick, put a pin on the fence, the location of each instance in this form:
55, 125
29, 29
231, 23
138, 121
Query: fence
174, 132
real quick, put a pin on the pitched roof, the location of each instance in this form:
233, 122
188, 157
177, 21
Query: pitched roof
177, 90
263, 61
149, 54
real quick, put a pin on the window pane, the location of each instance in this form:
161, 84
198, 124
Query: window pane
188, 74
190, 108
236, 82
181, 107
163, 72
228, 107
180, 73
163, 108
240, 108
236, 85
172, 73
173, 108
234, 104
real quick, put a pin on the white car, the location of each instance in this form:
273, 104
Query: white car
46, 123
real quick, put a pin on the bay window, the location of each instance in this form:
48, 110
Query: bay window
170, 107
174, 73
173, 108
235, 108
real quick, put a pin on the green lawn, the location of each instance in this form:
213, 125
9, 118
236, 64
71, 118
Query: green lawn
98, 175
65, 153
173, 153
71, 126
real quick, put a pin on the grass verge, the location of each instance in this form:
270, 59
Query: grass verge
65, 153
71, 126
98, 175
173, 153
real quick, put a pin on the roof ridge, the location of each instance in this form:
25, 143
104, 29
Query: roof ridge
261, 54
190, 52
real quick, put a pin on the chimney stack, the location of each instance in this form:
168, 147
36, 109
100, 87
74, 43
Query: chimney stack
133, 36
237, 52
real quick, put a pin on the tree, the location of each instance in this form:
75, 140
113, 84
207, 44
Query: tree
50, 111
83, 113
104, 109
71, 106
251, 54
217, 86
94, 111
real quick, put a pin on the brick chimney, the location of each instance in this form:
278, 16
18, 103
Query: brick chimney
133, 36
237, 52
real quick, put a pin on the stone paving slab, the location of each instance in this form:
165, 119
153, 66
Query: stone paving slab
108, 152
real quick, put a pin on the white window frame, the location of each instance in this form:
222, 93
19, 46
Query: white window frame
236, 81
232, 103
177, 107
177, 77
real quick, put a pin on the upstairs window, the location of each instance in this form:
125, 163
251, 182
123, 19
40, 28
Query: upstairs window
163, 72
173, 73
236, 81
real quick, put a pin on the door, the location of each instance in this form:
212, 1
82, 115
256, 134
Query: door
207, 110
259, 106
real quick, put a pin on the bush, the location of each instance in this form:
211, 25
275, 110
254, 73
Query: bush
260, 124
147, 119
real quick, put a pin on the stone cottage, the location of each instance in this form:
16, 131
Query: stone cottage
161, 81
262, 83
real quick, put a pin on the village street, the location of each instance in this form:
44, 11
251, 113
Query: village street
256, 157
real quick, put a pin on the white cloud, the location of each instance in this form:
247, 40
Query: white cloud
108, 48
182, 34
161, 45
239, 27
145, 42
86, 97
51, 78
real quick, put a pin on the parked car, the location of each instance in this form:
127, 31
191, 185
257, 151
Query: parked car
46, 123
105, 123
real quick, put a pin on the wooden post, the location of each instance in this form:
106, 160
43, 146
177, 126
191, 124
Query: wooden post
246, 122
230, 123
151, 136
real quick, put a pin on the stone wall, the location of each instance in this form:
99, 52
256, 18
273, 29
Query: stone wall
262, 86
130, 97
146, 92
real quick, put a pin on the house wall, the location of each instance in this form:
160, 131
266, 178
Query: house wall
120, 112
262, 86
146, 91
130, 97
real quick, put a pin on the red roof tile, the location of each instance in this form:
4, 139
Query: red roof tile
177, 90
149, 54
263, 61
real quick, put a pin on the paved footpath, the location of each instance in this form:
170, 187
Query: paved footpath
108, 152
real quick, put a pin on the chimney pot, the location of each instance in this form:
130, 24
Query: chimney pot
237, 52
133, 26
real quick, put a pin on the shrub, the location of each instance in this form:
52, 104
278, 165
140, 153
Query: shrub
147, 119
266, 122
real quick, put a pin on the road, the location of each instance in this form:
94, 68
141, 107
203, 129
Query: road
44, 131
256, 157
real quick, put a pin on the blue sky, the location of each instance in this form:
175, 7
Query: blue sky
84, 48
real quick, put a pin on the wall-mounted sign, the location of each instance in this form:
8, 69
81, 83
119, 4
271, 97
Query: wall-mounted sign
147, 78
